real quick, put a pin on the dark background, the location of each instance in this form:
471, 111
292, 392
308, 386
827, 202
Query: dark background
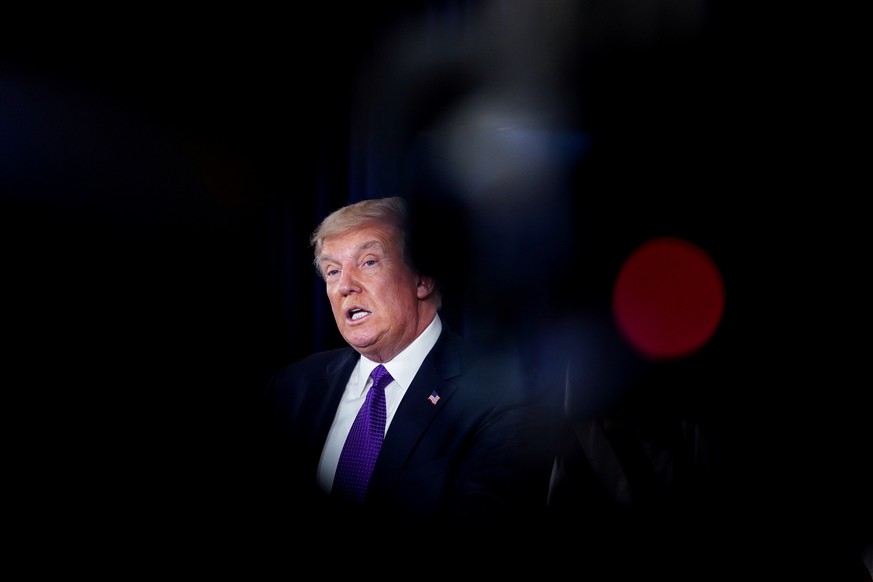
160, 173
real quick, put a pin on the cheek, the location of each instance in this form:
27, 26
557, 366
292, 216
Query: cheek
335, 299
332, 290
400, 294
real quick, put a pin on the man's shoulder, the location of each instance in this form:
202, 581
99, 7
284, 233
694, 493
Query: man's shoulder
473, 353
324, 357
315, 365
494, 372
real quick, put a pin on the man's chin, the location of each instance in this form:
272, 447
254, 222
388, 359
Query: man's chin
360, 342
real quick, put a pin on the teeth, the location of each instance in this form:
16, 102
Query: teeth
358, 315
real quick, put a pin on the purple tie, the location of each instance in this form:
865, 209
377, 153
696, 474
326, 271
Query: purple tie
364, 441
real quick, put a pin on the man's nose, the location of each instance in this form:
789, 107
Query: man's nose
348, 282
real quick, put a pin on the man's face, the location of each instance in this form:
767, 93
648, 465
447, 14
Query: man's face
373, 294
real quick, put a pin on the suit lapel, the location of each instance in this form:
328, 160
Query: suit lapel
439, 372
331, 388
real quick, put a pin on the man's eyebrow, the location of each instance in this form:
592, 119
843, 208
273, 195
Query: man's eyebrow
364, 246
370, 244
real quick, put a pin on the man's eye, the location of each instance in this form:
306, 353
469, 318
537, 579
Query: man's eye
331, 272
370, 262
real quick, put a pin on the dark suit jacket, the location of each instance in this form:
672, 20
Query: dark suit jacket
478, 457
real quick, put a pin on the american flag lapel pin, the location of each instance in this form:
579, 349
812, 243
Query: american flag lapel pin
434, 397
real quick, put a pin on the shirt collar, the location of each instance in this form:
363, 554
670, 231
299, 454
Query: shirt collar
404, 365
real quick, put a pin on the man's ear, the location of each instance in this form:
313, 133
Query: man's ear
425, 286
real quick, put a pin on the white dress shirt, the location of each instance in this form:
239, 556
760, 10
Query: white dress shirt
402, 368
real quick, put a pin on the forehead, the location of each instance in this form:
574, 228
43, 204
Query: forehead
365, 239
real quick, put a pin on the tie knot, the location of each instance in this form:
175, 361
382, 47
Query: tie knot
380, 376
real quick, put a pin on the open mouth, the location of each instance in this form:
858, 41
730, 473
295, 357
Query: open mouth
356, 313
